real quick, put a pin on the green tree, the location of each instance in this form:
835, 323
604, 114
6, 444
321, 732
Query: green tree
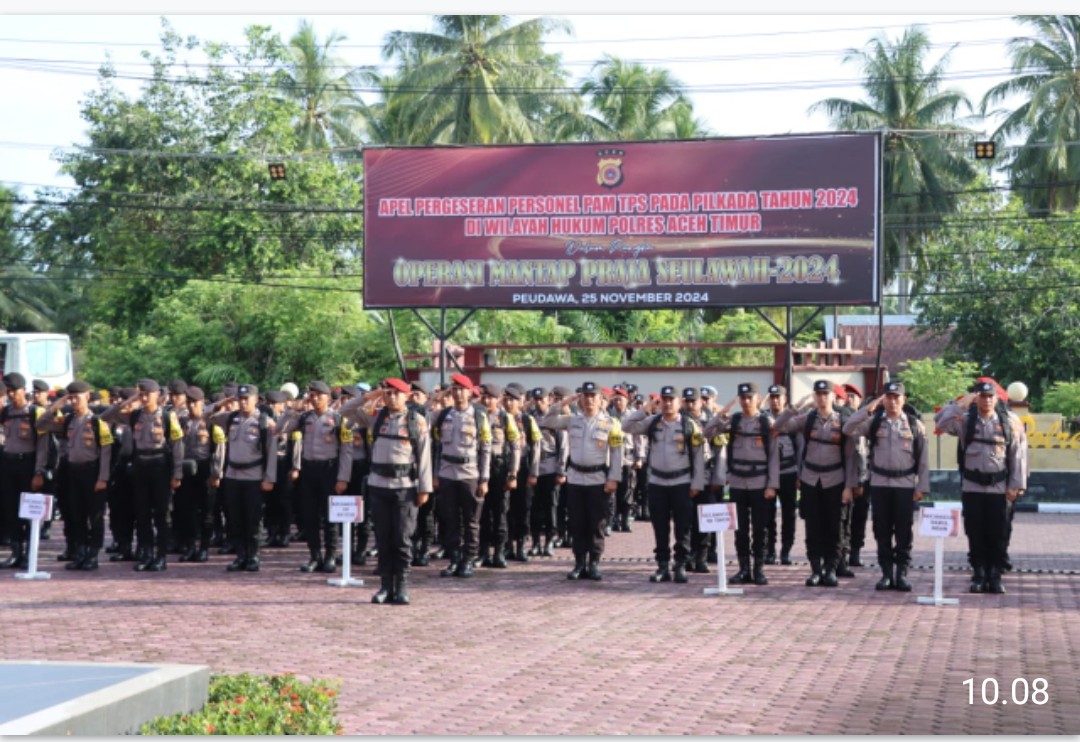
922, 172
1046, 169
325, 87
476, 80
1064, 398
931, 382
28, 296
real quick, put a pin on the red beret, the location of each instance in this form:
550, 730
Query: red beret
462, 380
398, 384
620, 392
839, 391
852, 389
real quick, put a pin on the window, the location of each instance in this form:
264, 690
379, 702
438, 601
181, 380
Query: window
46, 358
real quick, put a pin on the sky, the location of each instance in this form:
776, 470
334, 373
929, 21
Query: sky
746, 74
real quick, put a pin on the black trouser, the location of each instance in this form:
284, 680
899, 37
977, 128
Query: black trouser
860, 511
244, 503
543, 507
521, 500
562, 517
150, 480
493, 527
316, 485
845, 530
641, 492
279, 502
752, 511
894, 516
669, 504
985, 518
195, 518
358, 487
121, 505
587, 508
623, 493
425, 523
459, 511
16, 475
85, 513
786, 495
394, 515
700, 542
821, 509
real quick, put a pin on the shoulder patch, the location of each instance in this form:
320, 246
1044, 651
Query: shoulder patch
512, 433
104, 433
175, 431
217, 434
615, 436
485, 430
297, 435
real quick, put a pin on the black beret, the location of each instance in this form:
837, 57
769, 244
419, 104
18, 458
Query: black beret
490, 388
416, 386
195, 394
15, 380
78, 387
148, 385
40, 385
319, 386
276, 396
177, 386
512, 391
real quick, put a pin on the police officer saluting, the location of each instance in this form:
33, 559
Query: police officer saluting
788, 453
676, 466
17, 470
993, 472
89, 447
594, 469
399, 483
899, 464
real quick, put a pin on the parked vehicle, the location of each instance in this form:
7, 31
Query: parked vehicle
38, 355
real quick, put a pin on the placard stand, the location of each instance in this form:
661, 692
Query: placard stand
717, 518
346, 510
940, 523
35, 508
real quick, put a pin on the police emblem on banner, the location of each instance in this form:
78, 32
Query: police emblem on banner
610, 172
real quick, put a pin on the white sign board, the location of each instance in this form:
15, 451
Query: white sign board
718, 517
346, 509
940, 522
34, 506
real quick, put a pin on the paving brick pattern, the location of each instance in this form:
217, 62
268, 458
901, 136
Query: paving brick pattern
524, 651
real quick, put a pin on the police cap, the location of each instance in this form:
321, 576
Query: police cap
667, 391
747, 389
894, 387
15, 380
247, 390
777, 390
40, 385
589, 387
148, 385
321, 387
538, 393
822, 385
78, 387
177, 386
689, 393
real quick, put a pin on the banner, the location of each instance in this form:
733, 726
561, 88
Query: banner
715, 222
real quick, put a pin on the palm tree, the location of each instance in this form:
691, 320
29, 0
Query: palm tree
28, 296
477, 80
1047, 168
634, 102
325, 87
921, 171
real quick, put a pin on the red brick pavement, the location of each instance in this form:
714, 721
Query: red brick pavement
524, 651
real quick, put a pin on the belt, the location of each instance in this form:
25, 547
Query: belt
668, 474
150, 456
19, 456
787, 463
587, 469
822, 468
744, 468
457, 459
985, 478
245, 465
393, 471
311, 463
893, 473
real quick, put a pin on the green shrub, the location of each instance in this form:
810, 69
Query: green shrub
258, 704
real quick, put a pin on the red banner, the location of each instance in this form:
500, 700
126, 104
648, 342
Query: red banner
722, 222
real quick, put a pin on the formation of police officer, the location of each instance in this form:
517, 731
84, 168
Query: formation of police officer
788, 454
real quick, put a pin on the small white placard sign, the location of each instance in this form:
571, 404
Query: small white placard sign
346, 509
35, 506
717, 517
940, 522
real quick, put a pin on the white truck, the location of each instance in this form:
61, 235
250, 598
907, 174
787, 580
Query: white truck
38, 355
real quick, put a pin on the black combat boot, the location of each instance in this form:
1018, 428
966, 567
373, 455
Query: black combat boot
535, 549
313, 563
465, 568
828, 577
67, 554
759, 573
401, 590
700, 566
90, 561
237, 565
579, 567
886, 581
853, 558
201, 556
499, 560
386, 590
770, 556
662, 573
743, 575
76, 559
843, 570
815, 573
329, 563
994, 582
549, 547
519, 552
680, 573
159, 564
901, 582
594, 569
978, 581
122, 554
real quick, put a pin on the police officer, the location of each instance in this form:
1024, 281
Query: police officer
157, 467
788, 453
278, 512
753, 475
562, 530
899, 464
992, 470
517, 517
50, 461
620, 402
860, 503
399, 483
553, 454
121, 498
827, 474
325, 469
676, 468
506, 451
462, 459
594, 468
89, 451
203, 444
700, 543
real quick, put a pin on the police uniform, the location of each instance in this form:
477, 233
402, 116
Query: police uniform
506, 449
553, 454
400, 476
860, 505
624, 492
641, 472
991, 464
847, 509
157, 467
828, 467
788, 453
752, 468
325, 461
676, 466
562, 529
181, 537
521, 497
88, 442
701, 543
462, 459
279, 502
899, 467
361, 467
595, 459
121, 500
50, 462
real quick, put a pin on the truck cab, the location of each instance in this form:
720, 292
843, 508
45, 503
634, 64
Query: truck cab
38, 355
